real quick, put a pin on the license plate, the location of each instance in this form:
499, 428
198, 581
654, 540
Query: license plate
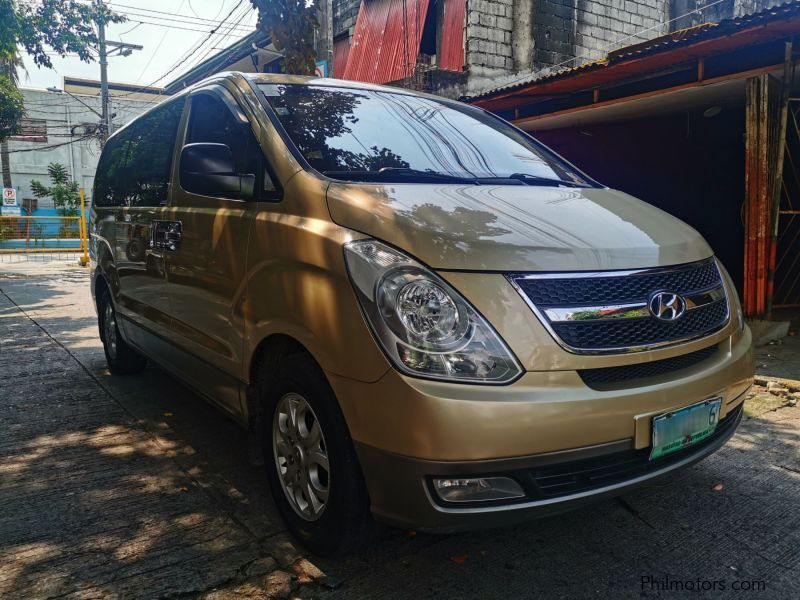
681, 428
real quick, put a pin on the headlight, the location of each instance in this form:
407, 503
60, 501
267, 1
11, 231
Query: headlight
425, 327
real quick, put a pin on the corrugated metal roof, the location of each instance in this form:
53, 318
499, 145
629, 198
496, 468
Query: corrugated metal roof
452, 47
386, 40
341, 51
684, 37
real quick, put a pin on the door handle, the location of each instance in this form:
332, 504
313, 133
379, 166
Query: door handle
166, 235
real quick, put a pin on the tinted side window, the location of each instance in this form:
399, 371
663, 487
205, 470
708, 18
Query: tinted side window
211, 121
149, 156
109, 170
134, 167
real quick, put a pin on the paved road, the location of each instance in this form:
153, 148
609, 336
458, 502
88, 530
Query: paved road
135, 487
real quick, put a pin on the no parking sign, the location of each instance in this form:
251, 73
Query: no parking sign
10, 207
9, 197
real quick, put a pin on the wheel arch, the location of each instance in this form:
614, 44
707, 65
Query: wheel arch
264, 364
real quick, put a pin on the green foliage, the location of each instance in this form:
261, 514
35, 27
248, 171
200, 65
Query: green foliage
62, 26
292, 25
63, 190
65, 26
11, 107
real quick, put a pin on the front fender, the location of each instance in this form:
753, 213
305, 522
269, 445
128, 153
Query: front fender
297, 286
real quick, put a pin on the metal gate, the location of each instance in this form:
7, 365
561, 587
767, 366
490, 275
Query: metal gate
772, 193
23, 236
786, 292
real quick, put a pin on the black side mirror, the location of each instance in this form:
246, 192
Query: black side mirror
208, 169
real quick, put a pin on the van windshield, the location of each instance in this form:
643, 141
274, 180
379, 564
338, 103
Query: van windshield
367, 135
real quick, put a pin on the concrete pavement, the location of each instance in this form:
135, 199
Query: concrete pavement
134, 487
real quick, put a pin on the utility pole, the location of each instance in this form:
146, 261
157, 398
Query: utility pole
325, 40
102, 49
101, 43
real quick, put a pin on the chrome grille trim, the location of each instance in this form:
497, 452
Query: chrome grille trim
630, 312
635, 310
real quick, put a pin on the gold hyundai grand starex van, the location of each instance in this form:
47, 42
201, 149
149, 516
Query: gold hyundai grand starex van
416, 310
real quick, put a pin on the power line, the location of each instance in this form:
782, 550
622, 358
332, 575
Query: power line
203, 56
129, 30
171, 16
40, 148
216, 16
158, 47
195, 47
167, 27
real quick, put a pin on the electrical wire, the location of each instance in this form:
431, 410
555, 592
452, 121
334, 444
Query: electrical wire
40, 148
167, 26
199, 60
221, 29
187, 55
158, 47
129, 30
219, 12
176, 16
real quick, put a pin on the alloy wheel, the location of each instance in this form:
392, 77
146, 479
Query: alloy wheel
110, 330
301, 456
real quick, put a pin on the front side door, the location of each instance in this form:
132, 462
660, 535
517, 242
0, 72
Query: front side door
134, 178
207, 239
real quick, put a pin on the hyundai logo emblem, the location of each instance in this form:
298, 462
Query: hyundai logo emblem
667, 306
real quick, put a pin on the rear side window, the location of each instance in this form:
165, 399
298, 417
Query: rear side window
135, 165
112, 160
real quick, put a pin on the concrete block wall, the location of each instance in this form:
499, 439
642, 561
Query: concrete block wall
506, 38
564, 30
686, 13
745, 7
345, 13
488, 51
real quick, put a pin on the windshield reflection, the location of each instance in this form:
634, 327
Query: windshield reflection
342, 131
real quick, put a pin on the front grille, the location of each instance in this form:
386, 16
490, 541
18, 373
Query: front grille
613, 377
588, 474
641, 331
615, 289
608, 312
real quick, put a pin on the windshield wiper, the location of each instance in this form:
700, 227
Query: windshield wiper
402, 173
529, 179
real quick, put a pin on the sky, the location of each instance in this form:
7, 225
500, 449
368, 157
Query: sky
161, 26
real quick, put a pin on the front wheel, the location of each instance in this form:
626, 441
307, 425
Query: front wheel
121, 358
311, 465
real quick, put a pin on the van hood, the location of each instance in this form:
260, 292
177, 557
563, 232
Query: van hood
516, 228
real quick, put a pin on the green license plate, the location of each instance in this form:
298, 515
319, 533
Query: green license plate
681, 428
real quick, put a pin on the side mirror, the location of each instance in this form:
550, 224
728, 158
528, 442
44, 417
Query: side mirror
208, 169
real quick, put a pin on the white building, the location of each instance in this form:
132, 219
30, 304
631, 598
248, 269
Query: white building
62, 127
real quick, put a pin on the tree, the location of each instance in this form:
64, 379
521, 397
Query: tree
64, 191
292, 25
64, 26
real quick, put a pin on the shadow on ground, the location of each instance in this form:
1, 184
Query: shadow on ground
135, 487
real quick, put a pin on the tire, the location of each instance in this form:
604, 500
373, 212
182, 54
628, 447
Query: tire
343, 520
121, 358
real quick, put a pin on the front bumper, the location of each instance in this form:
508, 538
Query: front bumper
402, 494
407, 431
